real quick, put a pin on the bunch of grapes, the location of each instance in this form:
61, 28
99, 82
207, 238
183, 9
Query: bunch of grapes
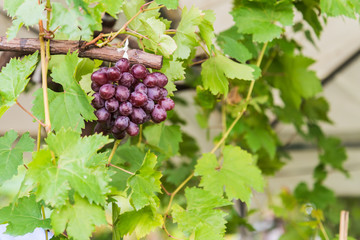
126, 96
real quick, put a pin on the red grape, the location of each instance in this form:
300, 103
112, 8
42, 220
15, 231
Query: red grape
95, 86
125, 108
162, 80
154, 93
150, 80
107, 91
140, 87
122, 123
149, 106
139, 71
158, 114
132, 129
123, 65
127, 79
138, 99
138, 115
167, 103
102, 115
122, 93
113, 74
112, 105
97, 102
99, 77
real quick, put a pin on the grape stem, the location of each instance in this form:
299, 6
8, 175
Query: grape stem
31, 115
124, 170
116, 144
111, 36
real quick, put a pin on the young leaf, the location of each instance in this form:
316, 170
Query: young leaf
145, 184
14, 78
265, 17
78, 219
200, 216
169, 4
185, 36
257, 138
333, 8
174, 71
141, 222
112, 7
333, 153
164, 138
206, 27
23, 216
19, 10
71, 107
54, 177
11, 158
154, 29
216, 70
237, 173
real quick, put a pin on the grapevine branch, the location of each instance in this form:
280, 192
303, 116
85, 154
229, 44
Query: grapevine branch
31, 115
240, 114
62, 47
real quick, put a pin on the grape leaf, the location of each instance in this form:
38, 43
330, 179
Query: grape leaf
12, 157
19, 11
185, 36
14, 78
200, 215
206, 27
265, 17
321, 196
333, 8
216, 70
257, 138
332, 152
112, 7
154, 29
70, 169
71, 107
145, 183
23, 216
169, 4
237, 173
76, 21
78, 219
141, 222
164, 138
129, 158
297, 81
174, 72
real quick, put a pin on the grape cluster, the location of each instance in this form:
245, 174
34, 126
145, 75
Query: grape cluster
126, 96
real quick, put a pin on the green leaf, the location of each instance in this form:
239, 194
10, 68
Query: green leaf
261, 138
78, 219
12, 157
78, 21
164, 138
23, 216
141, 222
316, 109
14, 29
321, 196
112, 7
206, 27
204, 98
14, 78
68, 109
200, 216
332, 152
19, 11
169, 4
237, 173
297, 81
185, 36
70, 169
145, 184
333, 8
154, 29
128, 157
265, 17
216, 70
174, 72
235, 49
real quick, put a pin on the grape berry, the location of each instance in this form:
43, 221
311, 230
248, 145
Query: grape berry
126, 96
